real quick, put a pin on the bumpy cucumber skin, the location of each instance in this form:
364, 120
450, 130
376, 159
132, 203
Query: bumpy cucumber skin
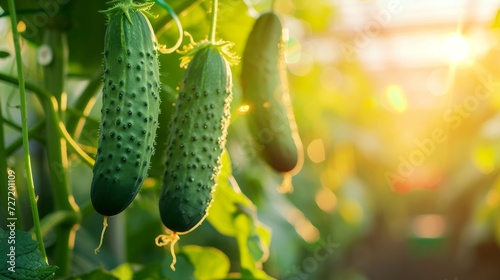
197, 136
129, 112
265, 90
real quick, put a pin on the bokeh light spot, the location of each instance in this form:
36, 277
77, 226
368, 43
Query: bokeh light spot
302, 225
326, 200
316, 151
483, 158
244, 109
428, 226
21, 26
396, 98
351, 212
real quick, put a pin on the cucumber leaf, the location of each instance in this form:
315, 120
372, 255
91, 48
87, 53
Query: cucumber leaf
233, 214
4, 54
20, 257
210, 263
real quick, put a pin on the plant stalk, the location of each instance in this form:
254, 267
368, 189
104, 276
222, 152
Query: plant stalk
213, 23
55, 76
24, 121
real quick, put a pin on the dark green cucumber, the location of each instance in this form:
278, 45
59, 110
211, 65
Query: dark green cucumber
196, 139
130, 109
265, 91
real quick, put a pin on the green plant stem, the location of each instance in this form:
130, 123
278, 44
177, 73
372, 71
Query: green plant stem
12, 124
32, 133
22, 12
55, 76
24, 120
41, 93
213, 23
56, 219
45, 96
4, 192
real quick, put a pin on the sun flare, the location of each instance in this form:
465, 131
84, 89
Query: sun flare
456, 48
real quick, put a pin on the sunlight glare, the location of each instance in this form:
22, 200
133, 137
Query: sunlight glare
244, 109
456, 48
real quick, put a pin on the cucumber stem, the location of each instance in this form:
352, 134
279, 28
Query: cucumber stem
213, 23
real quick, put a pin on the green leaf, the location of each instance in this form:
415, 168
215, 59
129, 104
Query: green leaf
210, 263
86, 37
233, 214
252, 250
231, 28
264, 234
149, 272
124, 271
184, 269
255, 247
20, 258
224, 209
4, 54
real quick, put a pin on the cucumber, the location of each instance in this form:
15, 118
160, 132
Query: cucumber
270, 116
130, 109
196, 139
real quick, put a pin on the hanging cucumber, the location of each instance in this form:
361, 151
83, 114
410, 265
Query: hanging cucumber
196, 138
265, 91
130, 108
